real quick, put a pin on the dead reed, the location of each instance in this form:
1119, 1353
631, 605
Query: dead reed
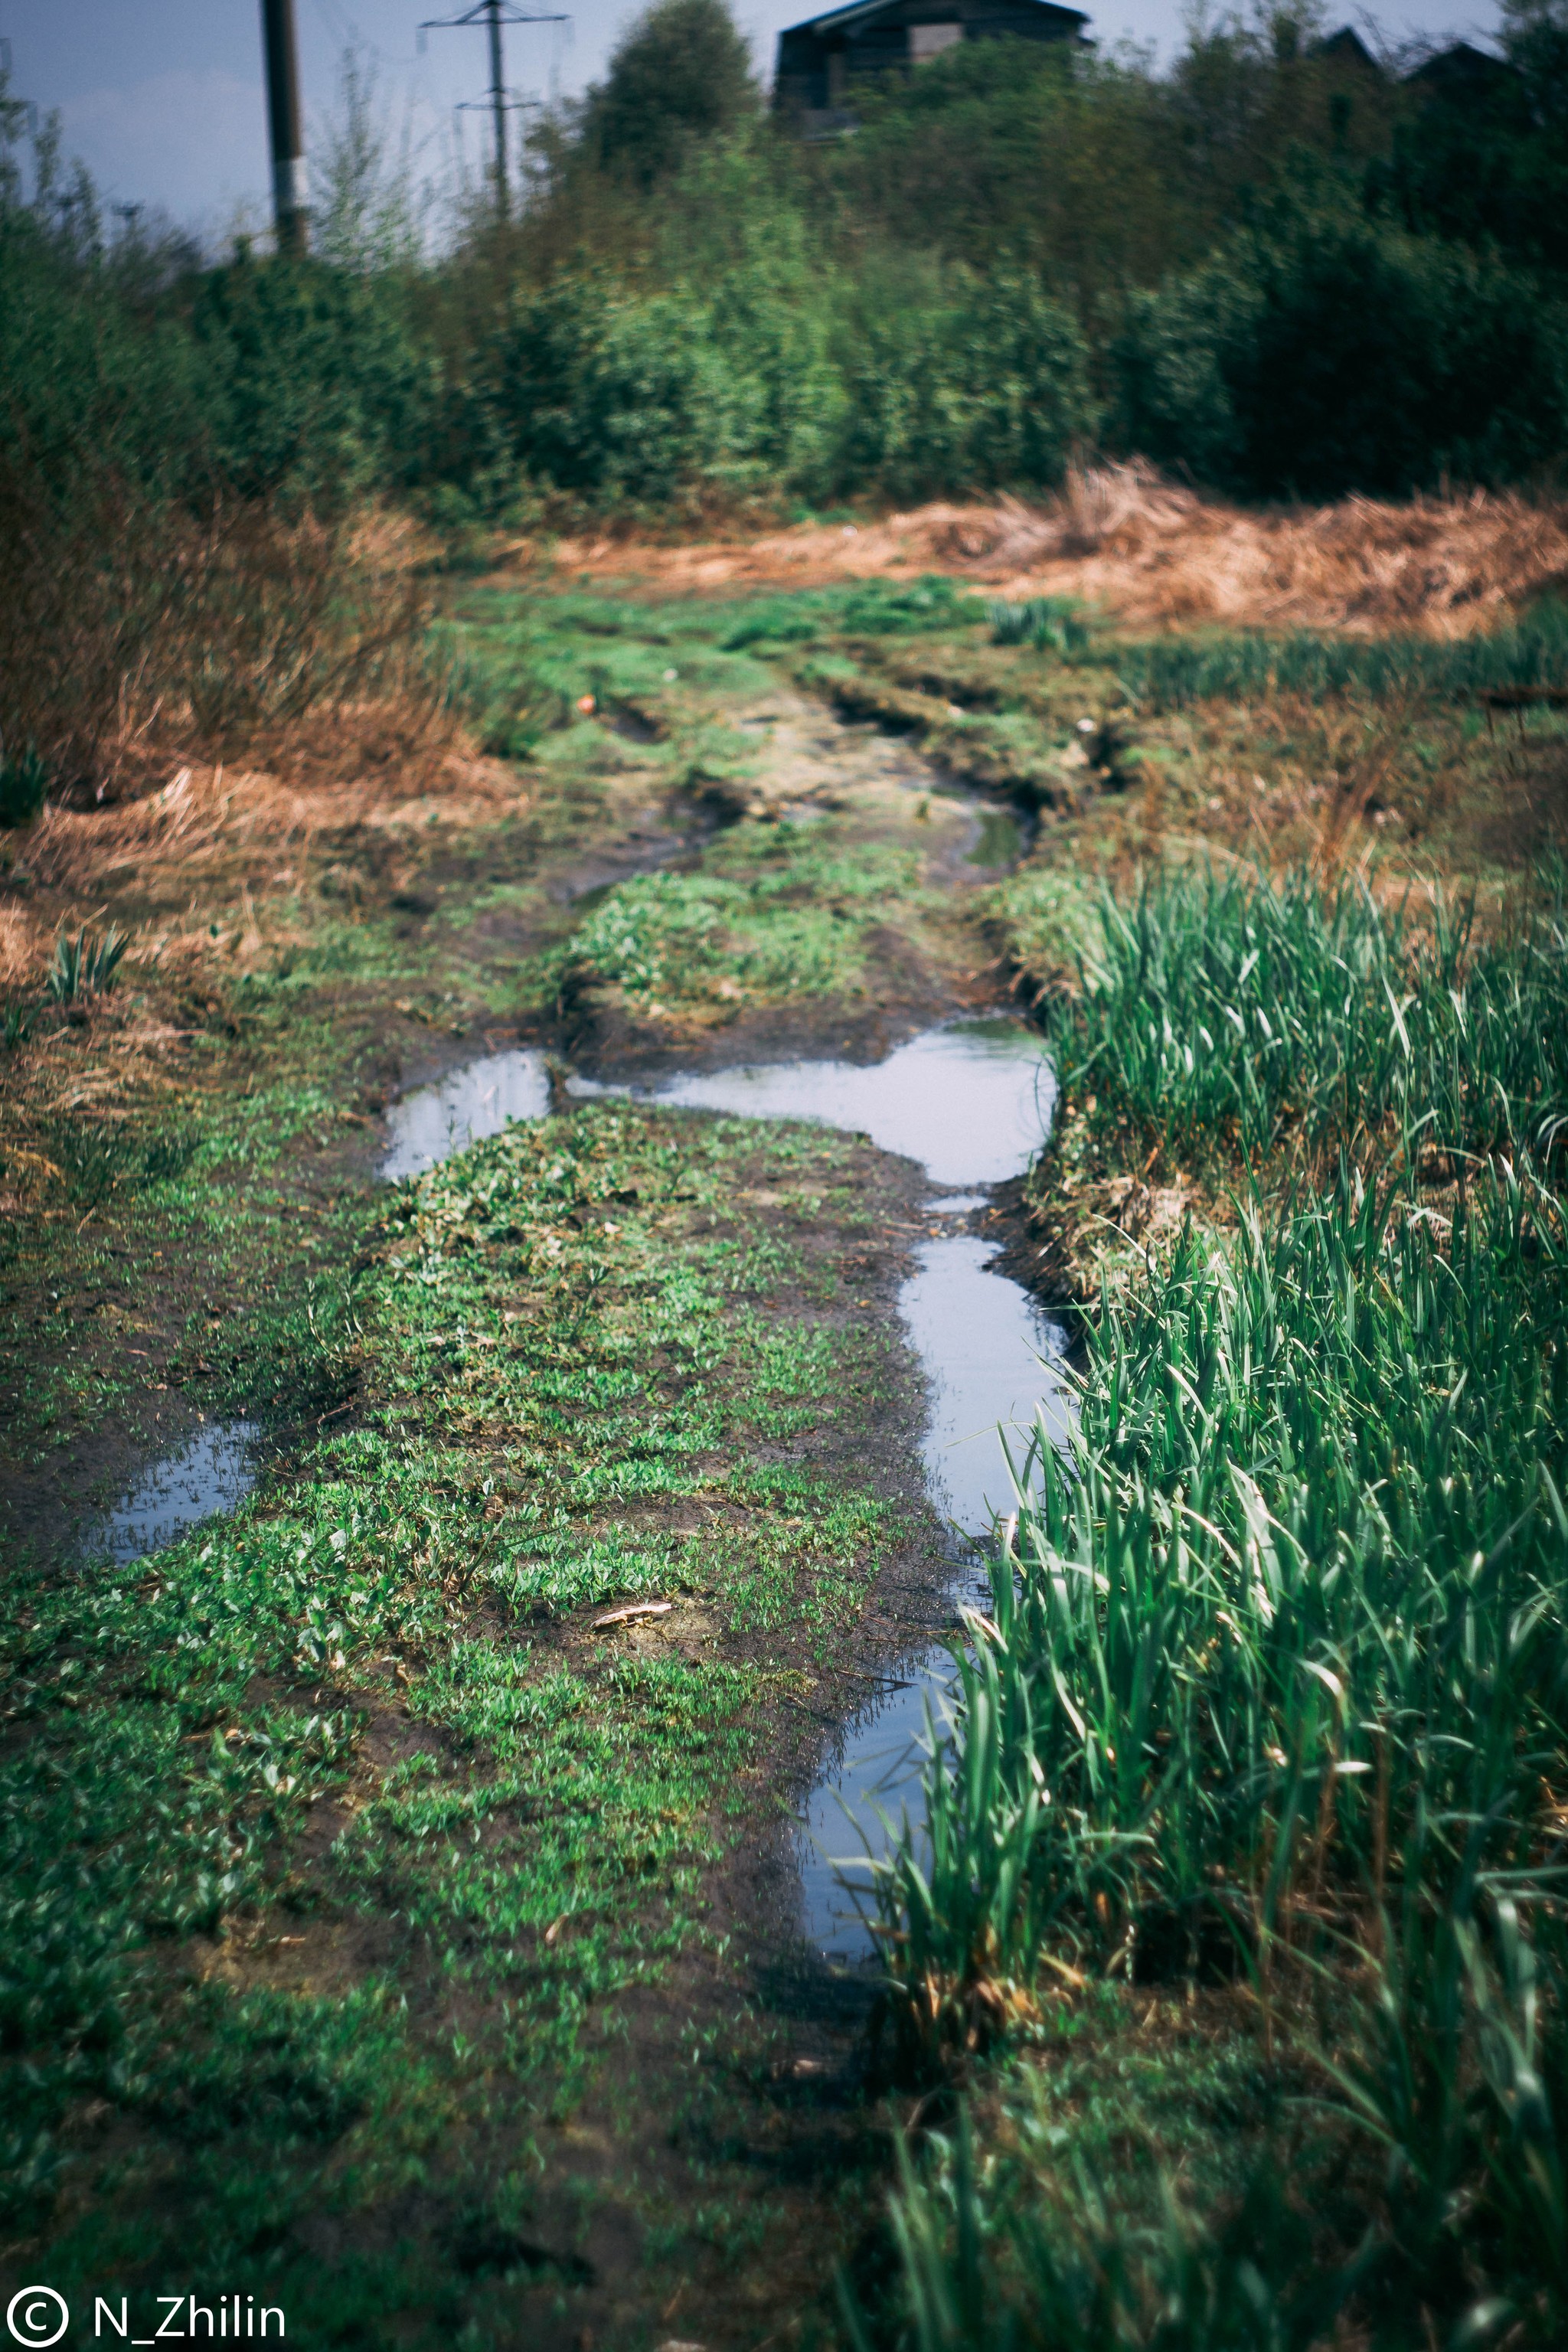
132, 627
1156, 554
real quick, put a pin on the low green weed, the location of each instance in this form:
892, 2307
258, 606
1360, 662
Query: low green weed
1050, 624
552, 1337
876, 608
85, 966
775, 913
100, 1157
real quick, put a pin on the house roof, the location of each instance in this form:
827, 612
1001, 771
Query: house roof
1347, 47
1463, 66
861, 11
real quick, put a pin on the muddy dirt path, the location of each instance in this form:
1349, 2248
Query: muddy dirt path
778, 2002
726, 2135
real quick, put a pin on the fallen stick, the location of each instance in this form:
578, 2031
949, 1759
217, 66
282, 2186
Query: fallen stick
633, 1609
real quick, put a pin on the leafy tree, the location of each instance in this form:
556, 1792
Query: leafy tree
1042, 157
681, 74
365, 215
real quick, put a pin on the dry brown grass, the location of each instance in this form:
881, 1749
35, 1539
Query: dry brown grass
131, 628
216, 839
1156, 554
213, 871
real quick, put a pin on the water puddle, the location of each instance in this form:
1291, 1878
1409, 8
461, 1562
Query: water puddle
992, 1358
479, 1100
217, 1470
990, 1354
972, 1102
1001, 842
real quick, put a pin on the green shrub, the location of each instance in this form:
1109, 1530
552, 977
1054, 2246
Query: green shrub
622, 396
311, 381
956, 379
24, 784
735, 227
88, 380
1321, 351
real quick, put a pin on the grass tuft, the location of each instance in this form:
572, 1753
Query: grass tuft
1272, 1687
85, 966
1224, 1017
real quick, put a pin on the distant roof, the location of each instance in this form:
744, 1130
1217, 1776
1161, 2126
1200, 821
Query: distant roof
1463, 66
858, 10
1348, 47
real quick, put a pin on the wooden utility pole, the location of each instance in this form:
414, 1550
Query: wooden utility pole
291, 196
493, 15
498, 103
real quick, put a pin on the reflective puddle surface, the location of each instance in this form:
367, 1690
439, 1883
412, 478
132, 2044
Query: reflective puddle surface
971, 1102
1001, 842
217, 1470
991, 1361
990, 1356
478, 1099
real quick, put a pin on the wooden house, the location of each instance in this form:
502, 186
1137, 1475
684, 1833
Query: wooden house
823, 61
1463, 74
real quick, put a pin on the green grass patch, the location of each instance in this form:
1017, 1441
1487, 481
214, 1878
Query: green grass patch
366, 1705
1169, 672
1270, 1691
1224, 1018
776, 912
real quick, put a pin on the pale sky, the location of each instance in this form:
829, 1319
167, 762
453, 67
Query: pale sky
162, 99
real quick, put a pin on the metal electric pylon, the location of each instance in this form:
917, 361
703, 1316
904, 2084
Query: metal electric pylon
493, 14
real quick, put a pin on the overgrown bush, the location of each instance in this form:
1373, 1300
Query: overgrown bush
184, 472
694, 307
625, 397
125, 609
941, 378
312, 385
955, 380
1321, 351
